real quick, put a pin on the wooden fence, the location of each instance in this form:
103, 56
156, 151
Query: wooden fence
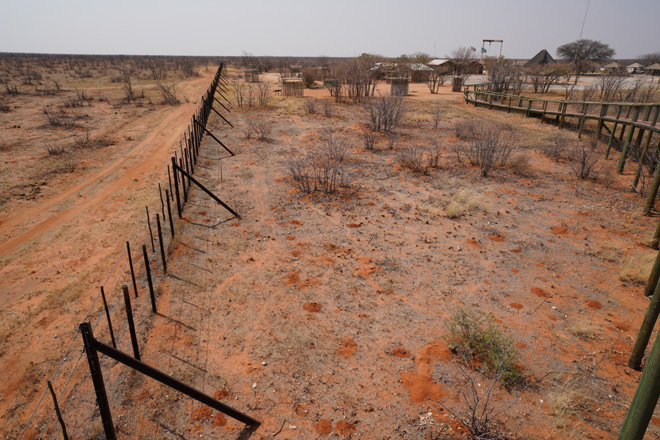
635, 122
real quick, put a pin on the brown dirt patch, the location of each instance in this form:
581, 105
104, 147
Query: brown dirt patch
516, 306
421, 387
559, 230
324, 427
219, 420
497, 237
295, 222
292, 278
345, 428
540, 292
202, 413
354, 225
313, 307
347, 347
400, 352
594, 304
290, 237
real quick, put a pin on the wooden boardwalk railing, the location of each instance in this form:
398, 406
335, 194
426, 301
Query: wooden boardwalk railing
631, 119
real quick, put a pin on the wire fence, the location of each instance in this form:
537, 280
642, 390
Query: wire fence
75, 394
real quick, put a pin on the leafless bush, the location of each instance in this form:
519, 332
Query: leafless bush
328, 108
83, 141
239, 92
504, 76
433, 153
391, 139
321, 170
263, 92
10, 89
479, 411
412, 158
54, 150
263, 129
437, 112
187, 67
250, 92
369, 138
489, 145
463, 129
310, 106
4, 108
556, 148
608, 86
584, 158
385, 112
436, 80
65, 166
59, 118
168, 94
248, 129
520, 166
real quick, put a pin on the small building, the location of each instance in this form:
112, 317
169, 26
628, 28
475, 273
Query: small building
420, 72
653, 69
399, 86
442, 65
251, 75
543, 58
612, 67
635, 68
292, 87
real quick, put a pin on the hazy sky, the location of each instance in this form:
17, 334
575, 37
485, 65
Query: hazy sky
331, 27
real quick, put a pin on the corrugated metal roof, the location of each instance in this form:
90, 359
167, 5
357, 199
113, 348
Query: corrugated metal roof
438, 62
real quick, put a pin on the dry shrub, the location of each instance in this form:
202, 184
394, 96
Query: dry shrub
465, 201
263, 92
248, 129
637, 269
59, 118
556, 148
263, 129
385, 112
321, 170
310, 106
584, 159
54, 150
369, 138
520, 166
168, 94
328, 108
433, 155
489, 144
412, 158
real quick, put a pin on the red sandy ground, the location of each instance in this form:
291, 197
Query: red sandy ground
322, 316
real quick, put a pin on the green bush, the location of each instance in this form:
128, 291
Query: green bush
482, 344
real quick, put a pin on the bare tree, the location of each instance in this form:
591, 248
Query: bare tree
385, 112
464, 62
263, 92
239, 92
490, 145
542, 77
436, 80
609, 86
503, 75
584, 159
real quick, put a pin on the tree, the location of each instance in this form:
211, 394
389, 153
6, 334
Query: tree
583, 52
463, 59
649, 58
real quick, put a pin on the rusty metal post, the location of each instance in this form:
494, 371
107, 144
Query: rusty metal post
151, 234
107, 315
162, 244
130, 263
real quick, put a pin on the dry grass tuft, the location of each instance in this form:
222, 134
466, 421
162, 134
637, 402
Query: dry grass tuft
465, 201
637, 269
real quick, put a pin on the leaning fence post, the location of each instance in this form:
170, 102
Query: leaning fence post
176, 187
131, 323
130, 263
162, 203
57, 411
107, 315
162, 245
151, 284
97, 379
169, 213
151, 234
653, 192
169, 178
626, 144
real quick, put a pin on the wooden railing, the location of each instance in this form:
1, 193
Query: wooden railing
630, 118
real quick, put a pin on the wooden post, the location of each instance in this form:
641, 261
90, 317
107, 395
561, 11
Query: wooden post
151, 284
107, 315
97, 379
131, 323
57, 410
169, 213
653, 192
176, 187
655, 242
646, 397
130, 263
162, 244
582, 120
616, 123
626, 144
151, 234
644, 149
603, 113
563, 115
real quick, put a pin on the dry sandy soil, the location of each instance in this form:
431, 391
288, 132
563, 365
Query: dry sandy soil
323, 315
